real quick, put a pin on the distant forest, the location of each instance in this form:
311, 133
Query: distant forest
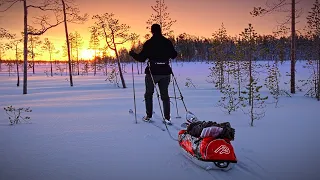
266, 47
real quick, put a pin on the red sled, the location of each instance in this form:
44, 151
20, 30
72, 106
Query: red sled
208, 152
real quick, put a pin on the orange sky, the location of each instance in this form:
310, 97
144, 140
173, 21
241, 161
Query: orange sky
195, 17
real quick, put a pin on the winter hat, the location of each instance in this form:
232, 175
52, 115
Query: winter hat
156, 29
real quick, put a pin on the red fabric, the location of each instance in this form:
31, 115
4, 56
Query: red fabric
219, 150
209, 148
182, 132
185, 143
203, 146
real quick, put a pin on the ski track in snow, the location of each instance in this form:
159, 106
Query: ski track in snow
245, 168
174, 125
245, 165
156, 124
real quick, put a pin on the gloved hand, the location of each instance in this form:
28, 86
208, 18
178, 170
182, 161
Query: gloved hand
131, 53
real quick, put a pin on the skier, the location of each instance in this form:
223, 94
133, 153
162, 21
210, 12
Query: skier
158, 50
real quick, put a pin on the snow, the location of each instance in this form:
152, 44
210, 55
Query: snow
86, 131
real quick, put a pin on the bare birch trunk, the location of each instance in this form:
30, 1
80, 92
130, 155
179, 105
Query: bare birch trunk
120, 70
318, 92
51, 65
0, 60
250, 74
251, 80
67, 39
95, 62
17, 63
78, 63
32, 53
239, 78
293, 53
25, 46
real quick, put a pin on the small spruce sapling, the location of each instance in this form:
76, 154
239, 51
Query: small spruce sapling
272, 82
15, 114
229, 100
252, 96
312, 81
314, 27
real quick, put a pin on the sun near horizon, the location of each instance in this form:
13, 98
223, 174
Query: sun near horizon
89, 54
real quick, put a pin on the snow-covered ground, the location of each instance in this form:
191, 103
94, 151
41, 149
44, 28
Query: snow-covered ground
86, 131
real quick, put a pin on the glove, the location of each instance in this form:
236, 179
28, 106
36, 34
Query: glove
131, 53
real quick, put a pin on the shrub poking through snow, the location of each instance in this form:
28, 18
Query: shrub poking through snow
112, 76
189, 83
15, 114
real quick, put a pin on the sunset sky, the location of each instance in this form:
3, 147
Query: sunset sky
195, 17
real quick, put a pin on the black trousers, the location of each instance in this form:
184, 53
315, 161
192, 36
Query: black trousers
163, 82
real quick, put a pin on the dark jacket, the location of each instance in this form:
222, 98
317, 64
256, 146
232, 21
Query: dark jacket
158, 50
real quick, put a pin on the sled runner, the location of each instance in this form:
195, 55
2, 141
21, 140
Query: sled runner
208, 144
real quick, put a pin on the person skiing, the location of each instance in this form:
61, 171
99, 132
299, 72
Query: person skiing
158, 50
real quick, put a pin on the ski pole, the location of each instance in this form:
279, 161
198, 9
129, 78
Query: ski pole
134, 97
175, 96
158, 96
174, 78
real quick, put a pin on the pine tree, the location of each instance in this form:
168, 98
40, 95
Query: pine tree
238, 67
275, 51
2, 54
15, 45
220, 39
280, 5
272, 81
50, 48
251, 95
4, 34
256, 101
94, 44
162, 18
34, 42
314, 26
77, 43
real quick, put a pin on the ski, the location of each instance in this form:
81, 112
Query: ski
169, 124
149, 122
